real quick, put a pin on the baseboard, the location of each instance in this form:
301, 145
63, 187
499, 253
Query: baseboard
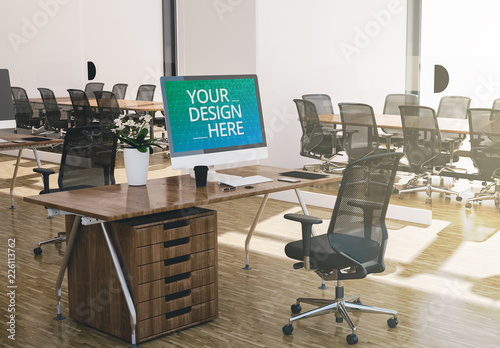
396, 212
43, 155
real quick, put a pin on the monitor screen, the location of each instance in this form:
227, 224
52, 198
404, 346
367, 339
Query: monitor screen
7, 119
213, 119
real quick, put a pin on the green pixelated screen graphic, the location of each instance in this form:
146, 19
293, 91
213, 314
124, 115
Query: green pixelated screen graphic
209, 114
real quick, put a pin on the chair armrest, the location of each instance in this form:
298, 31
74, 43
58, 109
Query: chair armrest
45, 177
306, 221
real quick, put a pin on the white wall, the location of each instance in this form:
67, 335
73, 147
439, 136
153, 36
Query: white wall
460, 36
352, 50
47, 43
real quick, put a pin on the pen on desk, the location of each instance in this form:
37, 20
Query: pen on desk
229, 188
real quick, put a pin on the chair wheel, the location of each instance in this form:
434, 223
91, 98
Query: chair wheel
37, 251
468, 205
428, 201
459, 199
287, 329
296, 308
395, 190
392, 322
352, 339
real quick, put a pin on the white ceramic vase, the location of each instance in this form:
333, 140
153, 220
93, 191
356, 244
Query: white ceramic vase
136, 166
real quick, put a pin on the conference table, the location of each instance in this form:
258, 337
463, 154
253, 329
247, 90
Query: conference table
448, 125
12, 141
99, 210
125, 104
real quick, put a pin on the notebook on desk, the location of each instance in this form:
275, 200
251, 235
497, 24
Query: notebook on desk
249, 180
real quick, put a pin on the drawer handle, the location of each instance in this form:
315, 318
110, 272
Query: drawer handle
176, 260
177, 295
175, 224
177, 277
178, 312
176, 242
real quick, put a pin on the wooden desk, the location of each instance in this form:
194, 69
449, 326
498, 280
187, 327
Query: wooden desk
11, 144
125, 104
104, 204
448, 125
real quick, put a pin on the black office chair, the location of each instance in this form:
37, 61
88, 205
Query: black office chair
92, 87
23, 109
324, 106
87, 160
484, 130
108, 107
119, 90
496, 104
82, 112
453, 107
360, 131
53, 120
423, 150
315, 141
394, 137
355, 243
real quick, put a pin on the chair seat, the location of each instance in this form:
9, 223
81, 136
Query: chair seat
325, 259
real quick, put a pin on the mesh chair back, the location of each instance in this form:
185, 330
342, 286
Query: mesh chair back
496, 104
357, 227
52, 111
484, 130
360, 130
119, 90
323, 103
88, 158
453, 107
422, 139
145, 92
92, 87
312, 133
108, 106
81, 108
22, 107
391, 107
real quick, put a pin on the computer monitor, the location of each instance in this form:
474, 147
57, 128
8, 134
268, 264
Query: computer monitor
213, 120
7, 119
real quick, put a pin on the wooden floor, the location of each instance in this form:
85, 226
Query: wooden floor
443, 279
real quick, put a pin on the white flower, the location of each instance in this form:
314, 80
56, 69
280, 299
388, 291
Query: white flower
147, 118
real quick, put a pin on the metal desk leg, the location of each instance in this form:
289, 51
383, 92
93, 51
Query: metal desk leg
304, 207
64, 265
13, 180
252, 228
14, 176
256, 220
123, 284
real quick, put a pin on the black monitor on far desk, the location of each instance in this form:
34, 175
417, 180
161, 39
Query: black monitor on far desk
7, 119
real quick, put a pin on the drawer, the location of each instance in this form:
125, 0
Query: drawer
176, 301
174, 266
177, 319
176, 283
175, 230
175, 248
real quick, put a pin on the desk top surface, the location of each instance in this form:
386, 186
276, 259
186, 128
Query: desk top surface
125, 104
450, 125
121, 201
20, 141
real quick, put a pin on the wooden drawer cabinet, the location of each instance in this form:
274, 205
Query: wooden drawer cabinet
170, 265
